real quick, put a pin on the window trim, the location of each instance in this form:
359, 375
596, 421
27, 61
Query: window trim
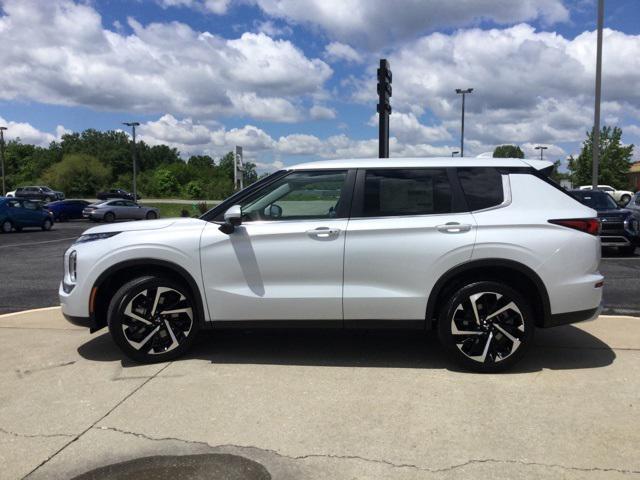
458, 201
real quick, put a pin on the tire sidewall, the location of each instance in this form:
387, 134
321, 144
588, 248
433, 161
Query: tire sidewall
47, 224
109, 217
3, 226
151, 216
446, 313
118, 304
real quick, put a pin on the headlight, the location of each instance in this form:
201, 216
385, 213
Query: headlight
90, 237
73, 265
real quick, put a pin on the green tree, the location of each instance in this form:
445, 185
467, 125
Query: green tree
77, 175
201, 161
508, 151
615, 160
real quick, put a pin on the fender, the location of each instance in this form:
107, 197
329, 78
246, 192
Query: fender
146, 262
490, 263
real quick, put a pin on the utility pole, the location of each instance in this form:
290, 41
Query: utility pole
238, 170
134, 154
596, 116
462, 92
542, 149
384, 107
4, 188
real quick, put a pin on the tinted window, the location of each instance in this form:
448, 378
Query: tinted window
596, 200
482, 187
299, 195
394, 192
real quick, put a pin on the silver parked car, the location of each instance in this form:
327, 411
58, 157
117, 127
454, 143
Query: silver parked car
112, 210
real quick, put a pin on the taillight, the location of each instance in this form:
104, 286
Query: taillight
586, 225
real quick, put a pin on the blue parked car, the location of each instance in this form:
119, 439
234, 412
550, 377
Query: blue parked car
19, 213
64, 210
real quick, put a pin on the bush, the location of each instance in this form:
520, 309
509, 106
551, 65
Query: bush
77, 175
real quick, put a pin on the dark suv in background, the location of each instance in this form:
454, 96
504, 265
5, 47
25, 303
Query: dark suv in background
39, 193
117, 193
620, 226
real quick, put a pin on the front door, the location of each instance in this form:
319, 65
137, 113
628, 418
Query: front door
285, 261
407, 229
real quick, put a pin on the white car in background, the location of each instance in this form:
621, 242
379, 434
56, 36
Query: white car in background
620, 196
11, 194
452, 245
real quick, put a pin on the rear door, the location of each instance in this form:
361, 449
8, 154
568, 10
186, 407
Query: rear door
408, 227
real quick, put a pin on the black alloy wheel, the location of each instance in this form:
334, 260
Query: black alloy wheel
486, 326
153, 319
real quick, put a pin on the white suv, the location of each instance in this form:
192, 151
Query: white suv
482, 250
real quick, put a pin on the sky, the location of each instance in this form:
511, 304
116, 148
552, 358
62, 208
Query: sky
295, 80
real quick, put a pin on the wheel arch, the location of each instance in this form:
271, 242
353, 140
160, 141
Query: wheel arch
109, 281
517, 274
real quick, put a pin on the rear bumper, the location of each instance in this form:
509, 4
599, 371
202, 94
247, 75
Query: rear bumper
558, 319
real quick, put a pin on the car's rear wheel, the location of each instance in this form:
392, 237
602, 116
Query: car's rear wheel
109, 217
47, 224
6, 226
486, 326
151, 215
153, 319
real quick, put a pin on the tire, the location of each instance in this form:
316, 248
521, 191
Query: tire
109, 217
625, 199
483, 344
151, 215
62, 218
134, 316
6, 227
629, 250
47, 224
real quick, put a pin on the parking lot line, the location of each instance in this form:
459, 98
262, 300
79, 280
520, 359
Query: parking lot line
38, 243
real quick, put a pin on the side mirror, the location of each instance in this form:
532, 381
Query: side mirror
232, 218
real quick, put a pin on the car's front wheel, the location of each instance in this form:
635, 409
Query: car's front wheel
151, 215
486, 326
6, 226
47, 224
153, 319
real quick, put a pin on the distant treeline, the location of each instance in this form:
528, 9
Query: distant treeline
81, 164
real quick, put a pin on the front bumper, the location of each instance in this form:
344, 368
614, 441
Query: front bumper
557, 319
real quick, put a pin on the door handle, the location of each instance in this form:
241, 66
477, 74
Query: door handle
454, 227
323, 232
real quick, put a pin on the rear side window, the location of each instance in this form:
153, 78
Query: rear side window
395, 192
482, 187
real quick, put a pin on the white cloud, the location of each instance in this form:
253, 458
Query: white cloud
408, 129
27, 133
336, 51
375, 23
58, 52
529, 86
318, 112
270, 28
219, 7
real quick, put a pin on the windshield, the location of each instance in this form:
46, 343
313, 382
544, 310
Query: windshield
597, 200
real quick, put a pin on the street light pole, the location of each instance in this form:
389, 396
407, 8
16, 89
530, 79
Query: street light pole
2, 129
134, 154
596, 115
542, 149
462, 92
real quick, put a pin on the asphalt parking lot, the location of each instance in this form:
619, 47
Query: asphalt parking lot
31, 269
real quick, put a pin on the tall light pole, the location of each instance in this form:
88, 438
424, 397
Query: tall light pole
462, 92
2, 129
453, 154
596, 114
542, 149
134, 154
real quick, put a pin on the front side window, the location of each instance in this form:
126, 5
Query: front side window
395, 192
482, 187
297, 196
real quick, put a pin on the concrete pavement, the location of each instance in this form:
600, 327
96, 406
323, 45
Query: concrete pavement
317, 405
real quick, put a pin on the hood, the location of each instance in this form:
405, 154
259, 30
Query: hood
146, 225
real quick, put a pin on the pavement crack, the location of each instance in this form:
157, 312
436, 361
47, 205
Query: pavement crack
23, 373
375, 460
35, 435
77, 437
